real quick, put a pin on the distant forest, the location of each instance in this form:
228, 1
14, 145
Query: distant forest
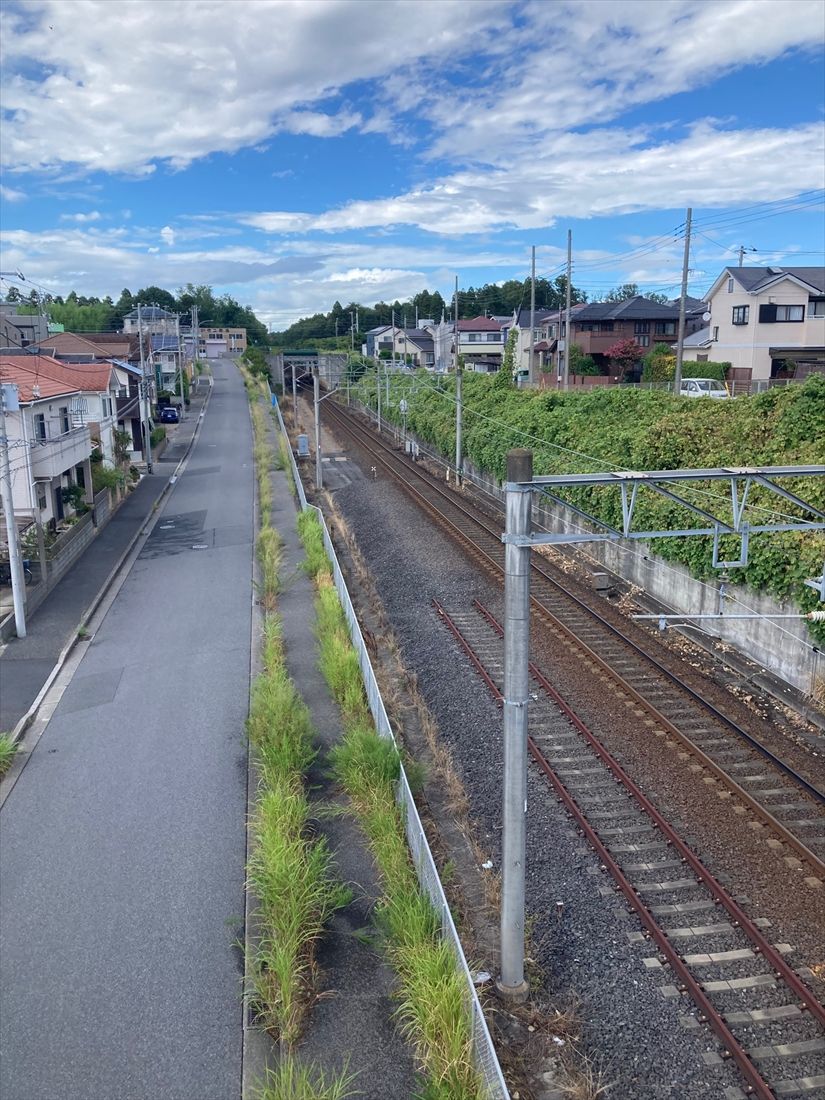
80, 314
490, 299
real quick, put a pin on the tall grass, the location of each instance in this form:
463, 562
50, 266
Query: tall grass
312, 537
8, 751
290, 869
434, 1001
292, 1081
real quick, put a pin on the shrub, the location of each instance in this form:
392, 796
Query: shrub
158, 435
106, 477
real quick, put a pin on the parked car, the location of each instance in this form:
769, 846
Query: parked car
169, 415
703, 387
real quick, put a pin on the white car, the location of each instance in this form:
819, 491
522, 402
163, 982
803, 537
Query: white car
703, 387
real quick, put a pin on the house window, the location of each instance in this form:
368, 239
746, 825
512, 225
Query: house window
41, 497
63, 413
40, 426
665, 328
605, 326
816, 307
107, 406
493, 337
80, 476
474, 337
740, 315
641, 326
790, 313
701, 358
715, 332
730, 286
643, 341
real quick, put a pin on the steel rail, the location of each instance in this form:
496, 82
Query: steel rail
402, 471
731, 1044
737, 913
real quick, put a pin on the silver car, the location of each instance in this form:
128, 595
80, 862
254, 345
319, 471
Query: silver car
703, 387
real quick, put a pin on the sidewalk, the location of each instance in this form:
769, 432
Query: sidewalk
26, 663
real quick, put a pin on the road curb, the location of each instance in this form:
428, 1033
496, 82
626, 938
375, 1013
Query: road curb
24, 723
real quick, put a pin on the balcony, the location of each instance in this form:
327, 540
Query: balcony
52, 457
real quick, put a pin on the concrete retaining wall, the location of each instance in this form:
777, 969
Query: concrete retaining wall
785, 648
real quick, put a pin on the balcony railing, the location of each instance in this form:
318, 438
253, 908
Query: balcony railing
51, 457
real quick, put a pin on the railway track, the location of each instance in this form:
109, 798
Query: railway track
766, 788
745, 990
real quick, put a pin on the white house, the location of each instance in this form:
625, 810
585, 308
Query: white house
480, 341
49, 451
765, 321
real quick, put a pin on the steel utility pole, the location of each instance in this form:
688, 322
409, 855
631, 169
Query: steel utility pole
459, 375
352, 329
319, 473
511, 983
180, 365
378, 391
18, 582
680, 341
455, 323
144, 389
530, 378
565, 382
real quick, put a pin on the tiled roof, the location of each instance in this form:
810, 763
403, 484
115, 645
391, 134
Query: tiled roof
523, 319
53, 379
754, 278
633, 309
479, 324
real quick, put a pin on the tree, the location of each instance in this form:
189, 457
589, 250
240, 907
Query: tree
581, 363
631, 290
157, 296
625, 354
659, 363
505, 376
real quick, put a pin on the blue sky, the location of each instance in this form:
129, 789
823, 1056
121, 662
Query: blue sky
295, 153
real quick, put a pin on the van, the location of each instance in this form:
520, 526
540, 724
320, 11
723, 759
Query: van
703, 387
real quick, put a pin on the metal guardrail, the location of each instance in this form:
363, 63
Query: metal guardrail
483, 1051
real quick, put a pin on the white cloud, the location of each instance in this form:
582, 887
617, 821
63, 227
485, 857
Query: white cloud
90, 216
601, 172
11, 195
220, 90
167, 235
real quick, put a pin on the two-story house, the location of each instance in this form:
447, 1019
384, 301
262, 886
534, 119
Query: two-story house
765, 321
51, 453
480, 342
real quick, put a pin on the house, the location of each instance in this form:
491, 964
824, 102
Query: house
51, 451
481, 342
18, 330
166, 352
215, 342
599, 325
520, 322
377, 340
153, 319
415, 347
109, 347
765, 322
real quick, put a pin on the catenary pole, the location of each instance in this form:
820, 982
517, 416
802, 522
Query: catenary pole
455, 323
680, 341
459, 376
18, 583
511, 982
567, 300
319, 473
530, 377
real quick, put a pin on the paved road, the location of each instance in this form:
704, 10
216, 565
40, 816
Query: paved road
122, 857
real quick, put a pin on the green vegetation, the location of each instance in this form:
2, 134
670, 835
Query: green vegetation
332, 330
292, 1081
106, 477
78, 313
290, 870
433, 999
8, 751
660, 366
581, 363
615, 427
157, 435
255, 361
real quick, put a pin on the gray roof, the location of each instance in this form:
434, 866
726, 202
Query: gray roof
632, 309
698, 339
754, 278
420, 337
523, 319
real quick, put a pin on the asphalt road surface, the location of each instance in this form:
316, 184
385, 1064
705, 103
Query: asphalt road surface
122, 856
